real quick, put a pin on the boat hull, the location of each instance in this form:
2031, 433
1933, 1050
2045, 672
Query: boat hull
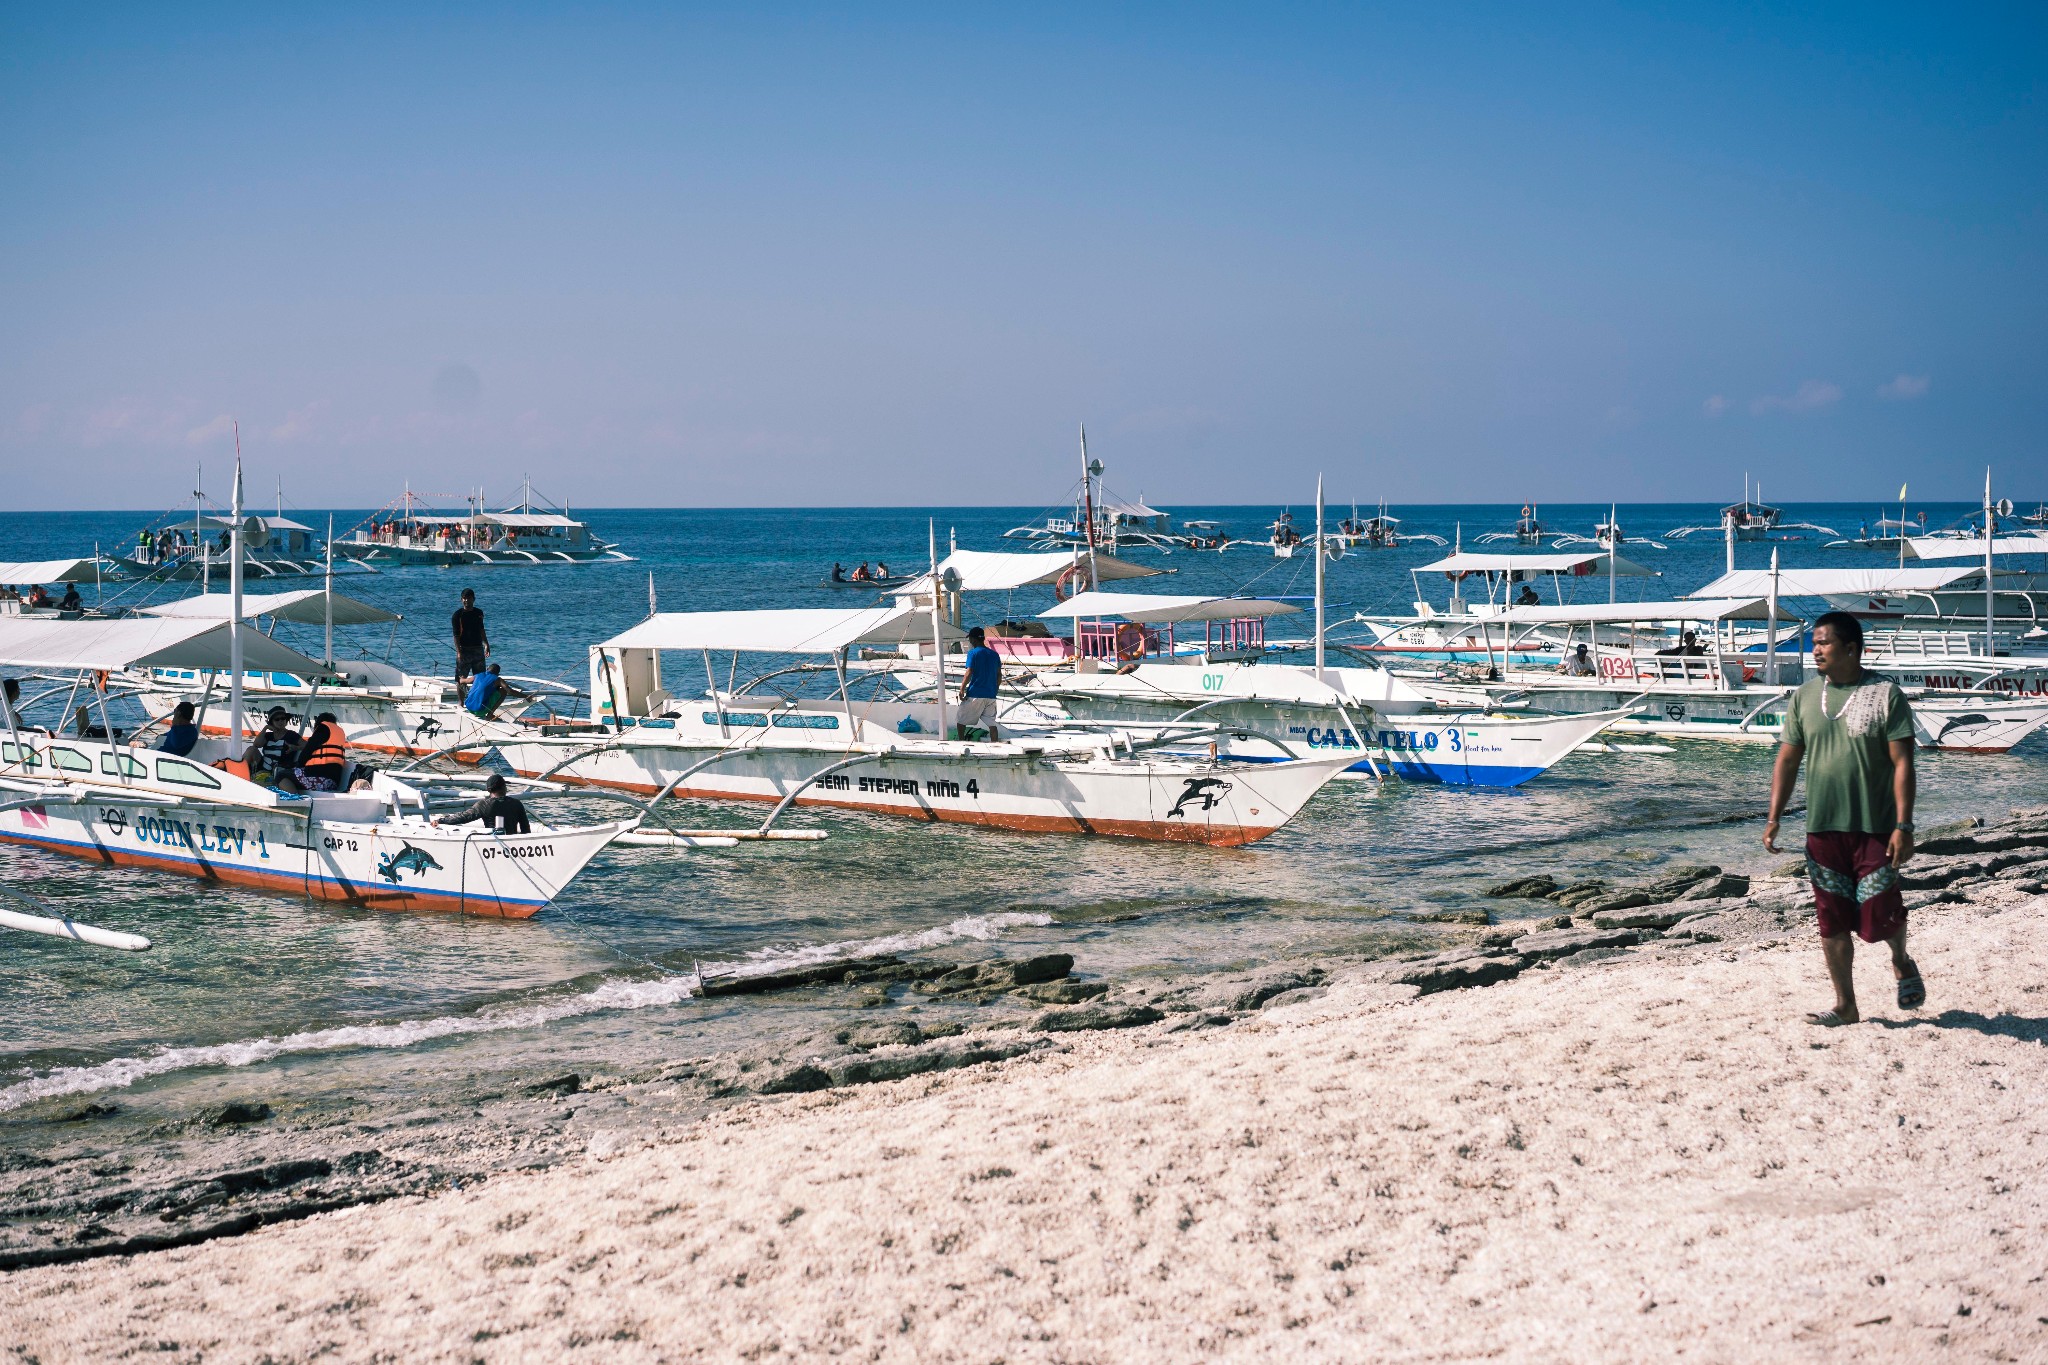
372, 866
1385, 733
1222, 805
1969, 726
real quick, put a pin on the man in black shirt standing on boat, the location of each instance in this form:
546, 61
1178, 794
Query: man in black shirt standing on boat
472, 642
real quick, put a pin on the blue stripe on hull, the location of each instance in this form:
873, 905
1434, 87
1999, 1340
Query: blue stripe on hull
292, 882
1458, 775
1411, 771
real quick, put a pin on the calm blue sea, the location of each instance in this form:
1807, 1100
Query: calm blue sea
247, 993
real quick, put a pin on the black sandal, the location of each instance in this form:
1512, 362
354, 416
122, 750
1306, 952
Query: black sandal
1912, 992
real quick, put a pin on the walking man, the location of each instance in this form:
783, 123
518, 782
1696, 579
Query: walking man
472, 642
1859, 808
984, 669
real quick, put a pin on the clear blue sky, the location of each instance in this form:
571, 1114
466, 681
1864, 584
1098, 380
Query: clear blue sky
864, 255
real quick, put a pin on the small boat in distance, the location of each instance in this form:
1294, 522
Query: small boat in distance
1752, 519
1528, 531
408, 531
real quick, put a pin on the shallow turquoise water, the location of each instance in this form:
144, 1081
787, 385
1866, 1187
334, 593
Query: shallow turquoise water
318, 997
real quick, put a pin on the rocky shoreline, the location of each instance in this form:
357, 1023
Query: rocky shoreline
92, 1189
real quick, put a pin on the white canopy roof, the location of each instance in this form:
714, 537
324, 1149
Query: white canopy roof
1466, 561
306, 606
1830, 582
137, 642
1158, 610
1003, 570
213, 521
1941, 547
1692, 609
805, 631
521, 520
1131, 509
25, 572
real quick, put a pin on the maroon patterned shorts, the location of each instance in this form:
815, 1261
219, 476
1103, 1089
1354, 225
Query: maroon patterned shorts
1855, 886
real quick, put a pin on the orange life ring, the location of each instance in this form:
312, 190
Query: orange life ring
1130, 641
1063, 586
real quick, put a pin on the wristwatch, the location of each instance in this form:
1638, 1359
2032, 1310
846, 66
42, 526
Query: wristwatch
1906, 825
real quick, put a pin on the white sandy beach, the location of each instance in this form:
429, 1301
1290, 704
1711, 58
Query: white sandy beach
1649, 1156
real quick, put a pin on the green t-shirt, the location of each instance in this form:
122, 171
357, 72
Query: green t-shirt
1847, 732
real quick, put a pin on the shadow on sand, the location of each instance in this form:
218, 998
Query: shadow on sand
2003, 1025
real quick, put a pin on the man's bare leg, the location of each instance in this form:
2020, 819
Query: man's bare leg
1840, 952
1902, 965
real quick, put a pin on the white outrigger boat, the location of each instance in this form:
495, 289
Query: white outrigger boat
1735, 689
121, 806
886, 754
1460, 633
381, 706
1127, 665
1137, 672
523, 535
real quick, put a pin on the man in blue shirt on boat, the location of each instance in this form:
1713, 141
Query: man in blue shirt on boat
978, 690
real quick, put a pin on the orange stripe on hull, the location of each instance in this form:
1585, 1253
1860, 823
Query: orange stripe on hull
1163, 831
289, 883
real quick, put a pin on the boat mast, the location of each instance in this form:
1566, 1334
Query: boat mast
1613, 548
1990, 525
1771, 636
1319, 578
327, 608
1088, 472
235, 608
938, 634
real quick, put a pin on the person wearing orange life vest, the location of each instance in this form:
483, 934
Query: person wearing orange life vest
324, 759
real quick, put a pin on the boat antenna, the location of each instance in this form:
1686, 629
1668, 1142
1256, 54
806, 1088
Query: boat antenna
1990, 530
651, 608
235, 606
327, 611
1088, 472
938, 635
1613, 548
1319, 578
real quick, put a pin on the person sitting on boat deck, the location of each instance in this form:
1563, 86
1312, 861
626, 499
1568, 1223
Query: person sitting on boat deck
39, 596
507, 813
472, 640
1578, 664
182, 733
881, 569
861, 574
71, 601
269, 757
488, 692
1688, 645
1528, 598
838, 572
979, 688
323, 760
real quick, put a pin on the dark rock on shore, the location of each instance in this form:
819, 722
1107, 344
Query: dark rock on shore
238, 1113
1246, 992
1562, 942
1525, 888
1088, 1017
1478, 969
893, 1064
850, 971
1068, 992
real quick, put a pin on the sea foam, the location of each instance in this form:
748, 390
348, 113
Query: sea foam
611, 995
